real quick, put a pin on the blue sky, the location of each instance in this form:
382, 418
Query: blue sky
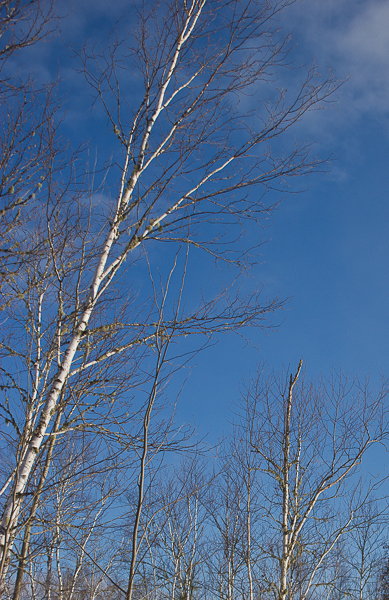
331, 244
328, 247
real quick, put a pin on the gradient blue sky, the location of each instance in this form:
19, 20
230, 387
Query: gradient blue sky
328, 247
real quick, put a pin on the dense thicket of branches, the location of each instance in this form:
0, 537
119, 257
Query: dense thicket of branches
99, 311
293, 461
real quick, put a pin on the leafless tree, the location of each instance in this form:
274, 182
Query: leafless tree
177, 543
190, 533
227, 516
27, 135
364, 551
23, 24
196, 157
310, 440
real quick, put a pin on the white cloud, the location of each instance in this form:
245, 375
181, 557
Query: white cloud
366, 39
354, 37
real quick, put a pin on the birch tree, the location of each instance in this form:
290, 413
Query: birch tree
310, 441
363, 554
192, 170
177, 543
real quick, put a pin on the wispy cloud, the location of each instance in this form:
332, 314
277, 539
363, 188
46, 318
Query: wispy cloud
354, 38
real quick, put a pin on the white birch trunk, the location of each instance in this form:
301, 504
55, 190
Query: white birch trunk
15, 500
286, 549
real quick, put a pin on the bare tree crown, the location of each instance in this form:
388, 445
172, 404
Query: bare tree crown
193, 97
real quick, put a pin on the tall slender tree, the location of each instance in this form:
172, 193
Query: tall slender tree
192, 170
